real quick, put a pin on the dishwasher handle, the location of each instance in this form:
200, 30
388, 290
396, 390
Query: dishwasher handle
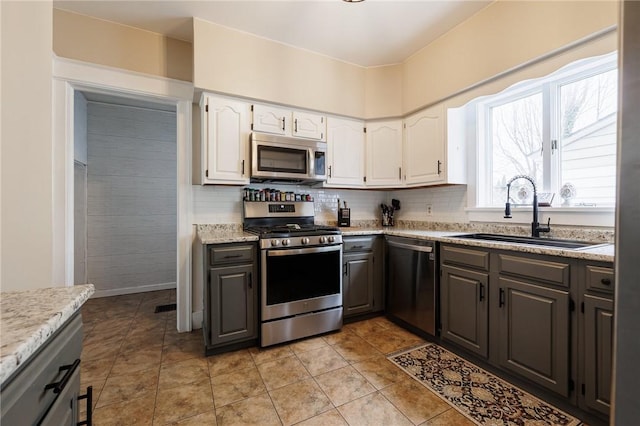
425, 249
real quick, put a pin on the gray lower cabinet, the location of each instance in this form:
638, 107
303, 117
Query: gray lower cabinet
533, 318
45, 389
534, 333
464, 308
362, 275
464, 303
231, 295
596, 353
513, 309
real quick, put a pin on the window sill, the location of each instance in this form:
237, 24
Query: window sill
578, 216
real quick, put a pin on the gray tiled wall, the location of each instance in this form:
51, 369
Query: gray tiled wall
131, 206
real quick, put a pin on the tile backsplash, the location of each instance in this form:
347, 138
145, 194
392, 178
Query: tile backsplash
223, 204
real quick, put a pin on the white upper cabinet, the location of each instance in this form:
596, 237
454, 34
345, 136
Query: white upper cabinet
345, 152
282, 121
384, 153
434, 148
424, 141
310, 126
270, 119
225, 140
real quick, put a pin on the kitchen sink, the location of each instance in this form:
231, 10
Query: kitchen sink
548, 242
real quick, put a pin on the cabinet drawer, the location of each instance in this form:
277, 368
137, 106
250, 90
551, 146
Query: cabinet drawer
358, 244
553, 272
599, 278
230, 254
463, 256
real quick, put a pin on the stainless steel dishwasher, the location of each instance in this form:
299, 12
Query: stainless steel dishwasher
412, 291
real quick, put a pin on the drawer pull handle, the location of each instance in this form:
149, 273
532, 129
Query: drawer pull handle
89, 397
481, 292
606, 281
501, 298
59, 386
357, 247
232, 256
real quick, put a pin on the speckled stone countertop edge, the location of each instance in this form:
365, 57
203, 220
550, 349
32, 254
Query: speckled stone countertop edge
602, 252
24, 330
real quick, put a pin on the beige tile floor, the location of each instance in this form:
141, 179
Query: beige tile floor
143, 372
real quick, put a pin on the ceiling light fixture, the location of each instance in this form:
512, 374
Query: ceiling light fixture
352, 1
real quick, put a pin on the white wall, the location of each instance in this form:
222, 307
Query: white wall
502, 36
131, 198
238, 63
27, 156
447, 203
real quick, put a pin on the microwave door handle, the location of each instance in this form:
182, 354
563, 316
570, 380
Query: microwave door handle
312, 163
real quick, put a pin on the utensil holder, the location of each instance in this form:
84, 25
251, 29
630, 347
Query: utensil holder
387, 218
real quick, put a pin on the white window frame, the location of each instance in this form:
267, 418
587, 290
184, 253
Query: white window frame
478, 114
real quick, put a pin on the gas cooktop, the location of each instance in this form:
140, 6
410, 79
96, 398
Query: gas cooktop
289, 230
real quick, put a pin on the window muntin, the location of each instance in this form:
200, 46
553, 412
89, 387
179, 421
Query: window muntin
559, 130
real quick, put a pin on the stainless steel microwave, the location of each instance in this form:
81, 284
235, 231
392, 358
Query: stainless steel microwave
288, 160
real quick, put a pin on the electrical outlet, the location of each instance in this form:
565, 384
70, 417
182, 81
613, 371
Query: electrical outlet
429, 210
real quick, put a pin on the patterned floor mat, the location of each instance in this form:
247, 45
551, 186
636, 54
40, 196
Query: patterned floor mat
479, 395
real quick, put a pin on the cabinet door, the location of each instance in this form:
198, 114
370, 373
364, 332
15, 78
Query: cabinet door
270, 119
357, 288
424, 147
464, 306
384, 153
598, 352
232, 304
345, 151
226, 140
534, 333
311, 126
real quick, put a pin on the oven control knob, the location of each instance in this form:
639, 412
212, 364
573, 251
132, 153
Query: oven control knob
275, 242
323, 240
331, 239
305, 241
286, 242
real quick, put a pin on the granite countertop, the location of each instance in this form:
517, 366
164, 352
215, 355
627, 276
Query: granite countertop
219, 234
215, 234
28, 318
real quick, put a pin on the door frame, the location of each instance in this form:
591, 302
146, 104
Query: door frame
69, 76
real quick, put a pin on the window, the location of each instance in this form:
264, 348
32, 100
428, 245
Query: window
559, 130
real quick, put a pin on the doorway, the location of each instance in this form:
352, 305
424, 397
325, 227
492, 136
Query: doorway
125, 203
73, 76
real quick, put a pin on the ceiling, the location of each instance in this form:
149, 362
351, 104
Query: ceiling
370, 33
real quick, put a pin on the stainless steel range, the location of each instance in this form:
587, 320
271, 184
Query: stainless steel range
300, 271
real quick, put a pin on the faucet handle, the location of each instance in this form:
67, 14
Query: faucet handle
548, 227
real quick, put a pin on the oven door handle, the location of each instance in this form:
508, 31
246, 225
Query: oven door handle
310, 250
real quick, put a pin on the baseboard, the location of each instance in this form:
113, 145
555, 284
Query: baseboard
131, 290
196, 320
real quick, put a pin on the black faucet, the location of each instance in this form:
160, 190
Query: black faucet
536, 229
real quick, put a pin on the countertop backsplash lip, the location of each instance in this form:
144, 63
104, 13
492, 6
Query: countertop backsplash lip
598, 235
28, 318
